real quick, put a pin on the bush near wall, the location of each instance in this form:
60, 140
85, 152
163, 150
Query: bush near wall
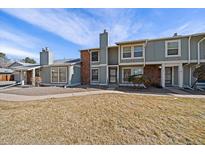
199, 73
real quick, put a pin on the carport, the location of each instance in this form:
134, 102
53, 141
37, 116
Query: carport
27, 74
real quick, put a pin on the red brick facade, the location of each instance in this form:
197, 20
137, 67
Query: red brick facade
85, 67
153, 72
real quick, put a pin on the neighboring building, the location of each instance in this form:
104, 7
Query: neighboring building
165, 61
49, 72
6, 74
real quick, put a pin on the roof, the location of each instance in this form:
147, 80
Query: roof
22, 64
28, 67
162, 38
5, 71
66, 61
144, 40
112, 46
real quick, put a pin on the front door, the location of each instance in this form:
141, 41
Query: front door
168, 76
112, 75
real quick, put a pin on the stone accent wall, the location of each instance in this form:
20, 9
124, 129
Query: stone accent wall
85, 67
153, 72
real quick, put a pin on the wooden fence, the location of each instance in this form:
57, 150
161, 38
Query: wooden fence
6, 77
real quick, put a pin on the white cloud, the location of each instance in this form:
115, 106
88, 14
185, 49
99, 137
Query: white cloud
14, 36
80, 28
13, 51
190, 27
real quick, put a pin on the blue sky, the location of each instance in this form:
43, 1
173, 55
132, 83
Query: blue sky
23, 32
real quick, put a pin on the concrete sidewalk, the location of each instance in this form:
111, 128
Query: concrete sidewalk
14, 97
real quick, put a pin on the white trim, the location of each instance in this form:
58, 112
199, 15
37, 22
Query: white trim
163, 75
166, 48
132, 51
180, 75
131, 68
162, 62
107, 76
94, 81
189, 50
144, 54
190, 76
119, 51
172, 75
98, 56
113, 65
122, 58
70, 73
51, 75
98, 65
198, 49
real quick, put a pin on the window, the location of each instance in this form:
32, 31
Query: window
94, 55
138, 51
138, 71
172, 48
58, 74
126, 52
62, 74
94, 74
54, 74
126, 72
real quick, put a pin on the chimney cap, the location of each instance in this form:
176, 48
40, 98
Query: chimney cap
104, 30
175, 34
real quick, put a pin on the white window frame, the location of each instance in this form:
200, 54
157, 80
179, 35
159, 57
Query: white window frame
92, 74
132, 71
58, 74
143, 50
179, 48
123, 51
98, 56
132, 51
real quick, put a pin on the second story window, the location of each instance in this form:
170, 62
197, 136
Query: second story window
94, 56
138, 51
126, 53
173, 48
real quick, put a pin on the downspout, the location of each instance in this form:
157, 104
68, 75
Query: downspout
199, 49
145, 52
189, 50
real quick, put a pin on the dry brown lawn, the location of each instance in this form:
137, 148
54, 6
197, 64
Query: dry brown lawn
104, 119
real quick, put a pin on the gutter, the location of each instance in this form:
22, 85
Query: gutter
198, 44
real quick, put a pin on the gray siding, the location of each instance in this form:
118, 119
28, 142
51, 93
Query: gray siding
186, 72
176, 75
103, 73
113, 56
46, 58
75, 78
202, 49
102, 78
155, 51
45, 75
103, 47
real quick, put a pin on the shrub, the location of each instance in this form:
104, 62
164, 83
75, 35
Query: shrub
139, 79
199, 73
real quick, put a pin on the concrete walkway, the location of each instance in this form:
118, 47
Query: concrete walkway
14, 97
